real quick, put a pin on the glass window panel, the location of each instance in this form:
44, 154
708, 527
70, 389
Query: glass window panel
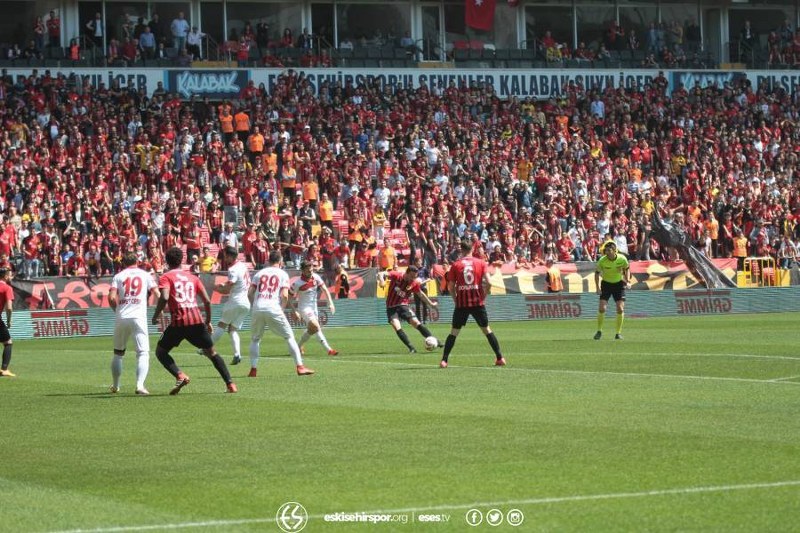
637, 19
212, 21
122, 18
593, 23
556, 20
762, 21
322, 23
278, 17
431, 44
16, 24
168, 11
86, 12
678, 25
504, 17
372, 24
454, 26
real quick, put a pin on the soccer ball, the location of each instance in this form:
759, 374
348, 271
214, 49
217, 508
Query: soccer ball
431, 343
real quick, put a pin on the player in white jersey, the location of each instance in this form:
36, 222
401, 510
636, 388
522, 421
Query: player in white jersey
269, 294
238, 306
128, 296
305, 291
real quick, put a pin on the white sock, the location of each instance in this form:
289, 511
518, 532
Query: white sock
116, 369
218, 333
303, 339
294, 349
323, 340
255, 346
142, 368
237, 343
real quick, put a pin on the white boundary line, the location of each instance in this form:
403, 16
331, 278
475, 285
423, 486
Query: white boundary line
449, 507
574, 372
658, 354
538, 352
787, 378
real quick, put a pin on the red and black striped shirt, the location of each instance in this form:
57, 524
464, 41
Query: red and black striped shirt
6, 295
183, 289
467, 276
400, 290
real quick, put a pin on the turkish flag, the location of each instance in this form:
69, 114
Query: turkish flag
480, 14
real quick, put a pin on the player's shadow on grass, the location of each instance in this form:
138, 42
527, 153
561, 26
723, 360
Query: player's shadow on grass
121, 396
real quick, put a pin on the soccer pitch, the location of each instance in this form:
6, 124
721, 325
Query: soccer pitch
689, 424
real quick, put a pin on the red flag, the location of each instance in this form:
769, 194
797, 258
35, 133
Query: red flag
480, 14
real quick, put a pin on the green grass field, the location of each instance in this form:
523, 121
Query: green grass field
686, 425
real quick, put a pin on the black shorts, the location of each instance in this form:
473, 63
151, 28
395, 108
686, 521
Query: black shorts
615, 290
462, 314
5, 336
197, 335
400, 312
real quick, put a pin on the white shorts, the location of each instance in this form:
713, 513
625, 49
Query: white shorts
125, 328
234, 314
308, 314
276, 321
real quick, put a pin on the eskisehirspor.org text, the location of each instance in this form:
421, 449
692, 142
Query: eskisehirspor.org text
371, 518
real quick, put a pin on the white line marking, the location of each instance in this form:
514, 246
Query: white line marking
659, 354
446, 507
181, 525
577, 372
787, 378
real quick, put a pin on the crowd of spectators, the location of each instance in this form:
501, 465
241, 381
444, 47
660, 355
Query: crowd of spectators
90, 173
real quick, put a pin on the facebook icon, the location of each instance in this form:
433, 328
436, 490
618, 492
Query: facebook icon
474, 517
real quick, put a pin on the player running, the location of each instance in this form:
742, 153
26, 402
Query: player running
402, 285
180, 290
304, 293
128, 295
269, 294
468, 281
